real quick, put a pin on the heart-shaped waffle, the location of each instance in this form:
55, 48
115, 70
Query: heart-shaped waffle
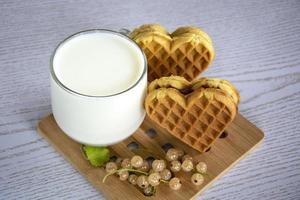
186, 52
196, 113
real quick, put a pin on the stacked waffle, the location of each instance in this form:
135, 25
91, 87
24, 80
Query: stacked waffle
194, 111
186, 52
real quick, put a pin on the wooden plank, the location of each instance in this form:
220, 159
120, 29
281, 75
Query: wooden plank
242, 138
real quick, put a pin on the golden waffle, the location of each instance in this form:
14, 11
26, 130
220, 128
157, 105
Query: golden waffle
186, 52
177, 82
197, 118
191, 29
219, 84
148, 28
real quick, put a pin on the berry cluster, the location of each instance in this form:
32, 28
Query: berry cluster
147, 175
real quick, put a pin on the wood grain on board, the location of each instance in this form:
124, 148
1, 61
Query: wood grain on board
240, 138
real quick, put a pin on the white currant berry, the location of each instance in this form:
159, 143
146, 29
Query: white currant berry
149, 191
123, 175
154, 179
172, 154
136, 161
132, 179
201, 167
126, 163
166, 174
145, 166
111, 167
142, 181
175, 166
197, 179
158, 165
175, 183
187, 166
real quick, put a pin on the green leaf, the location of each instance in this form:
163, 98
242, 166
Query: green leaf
96, 155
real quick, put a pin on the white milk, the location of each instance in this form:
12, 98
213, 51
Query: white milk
98, 64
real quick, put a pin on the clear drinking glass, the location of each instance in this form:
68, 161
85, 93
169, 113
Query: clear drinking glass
98, 120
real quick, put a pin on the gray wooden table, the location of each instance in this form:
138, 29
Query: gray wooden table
257, 47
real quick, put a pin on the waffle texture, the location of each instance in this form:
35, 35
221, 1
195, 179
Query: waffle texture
196, 118
186, 52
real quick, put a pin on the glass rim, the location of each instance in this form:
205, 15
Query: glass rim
63, 86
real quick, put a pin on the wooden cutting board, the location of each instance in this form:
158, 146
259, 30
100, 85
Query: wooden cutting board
239, 139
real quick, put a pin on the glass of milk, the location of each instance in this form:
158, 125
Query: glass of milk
98, 84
